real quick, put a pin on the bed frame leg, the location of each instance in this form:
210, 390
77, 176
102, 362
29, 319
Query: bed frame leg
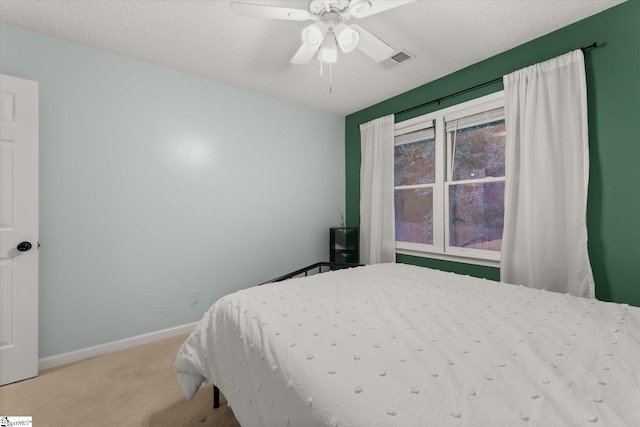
216, 397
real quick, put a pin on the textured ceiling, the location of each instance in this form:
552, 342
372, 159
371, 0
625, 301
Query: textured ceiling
207, 39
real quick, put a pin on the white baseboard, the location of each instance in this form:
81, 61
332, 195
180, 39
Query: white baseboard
110, 347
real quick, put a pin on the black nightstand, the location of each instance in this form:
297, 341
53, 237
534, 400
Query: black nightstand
344, 244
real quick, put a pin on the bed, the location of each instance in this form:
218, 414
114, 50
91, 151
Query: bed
400, 345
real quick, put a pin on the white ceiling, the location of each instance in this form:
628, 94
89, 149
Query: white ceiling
207, 39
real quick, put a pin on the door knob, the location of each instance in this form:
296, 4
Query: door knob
23, 246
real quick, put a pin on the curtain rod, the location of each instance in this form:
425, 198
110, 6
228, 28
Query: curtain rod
469, 89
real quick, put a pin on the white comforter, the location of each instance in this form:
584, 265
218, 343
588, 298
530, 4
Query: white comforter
398, 345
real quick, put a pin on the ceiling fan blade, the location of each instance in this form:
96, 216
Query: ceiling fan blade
377, 6
372, 46
303, 55
269, 12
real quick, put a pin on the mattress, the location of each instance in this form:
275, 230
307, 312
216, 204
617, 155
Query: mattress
399, 345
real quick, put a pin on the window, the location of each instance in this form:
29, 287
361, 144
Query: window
449, 182
414, 180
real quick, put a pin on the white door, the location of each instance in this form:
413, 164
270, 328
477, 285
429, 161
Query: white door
18, 229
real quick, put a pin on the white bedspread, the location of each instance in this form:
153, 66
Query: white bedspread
398, 345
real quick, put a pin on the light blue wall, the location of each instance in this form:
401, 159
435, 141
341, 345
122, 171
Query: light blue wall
154, 182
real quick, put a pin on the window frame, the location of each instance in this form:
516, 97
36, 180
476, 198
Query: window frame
440, 249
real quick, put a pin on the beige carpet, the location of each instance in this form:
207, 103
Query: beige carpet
133, 387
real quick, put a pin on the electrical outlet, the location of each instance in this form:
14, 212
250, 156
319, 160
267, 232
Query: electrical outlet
194, 297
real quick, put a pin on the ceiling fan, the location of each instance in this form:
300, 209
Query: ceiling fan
330, 28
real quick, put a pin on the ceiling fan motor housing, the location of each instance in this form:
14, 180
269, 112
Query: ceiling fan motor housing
320, 7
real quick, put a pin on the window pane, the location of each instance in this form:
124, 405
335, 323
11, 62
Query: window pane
414, 215
415, 163
479, 151
476, 215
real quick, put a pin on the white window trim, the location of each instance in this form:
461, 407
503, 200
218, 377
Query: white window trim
440, 248
425, 253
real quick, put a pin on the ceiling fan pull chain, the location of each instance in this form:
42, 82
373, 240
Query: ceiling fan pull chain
330, 79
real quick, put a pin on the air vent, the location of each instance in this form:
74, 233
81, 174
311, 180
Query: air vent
397, 58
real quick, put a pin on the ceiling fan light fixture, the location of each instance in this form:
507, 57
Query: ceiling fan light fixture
346, 37
313, 35
328, 50
359, 6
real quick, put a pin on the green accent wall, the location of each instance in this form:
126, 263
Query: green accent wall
613, 86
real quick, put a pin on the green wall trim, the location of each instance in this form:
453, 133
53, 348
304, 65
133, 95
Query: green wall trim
613, 88
491, 273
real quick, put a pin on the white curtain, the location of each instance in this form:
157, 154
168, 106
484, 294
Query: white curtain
377, 223
547, 172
